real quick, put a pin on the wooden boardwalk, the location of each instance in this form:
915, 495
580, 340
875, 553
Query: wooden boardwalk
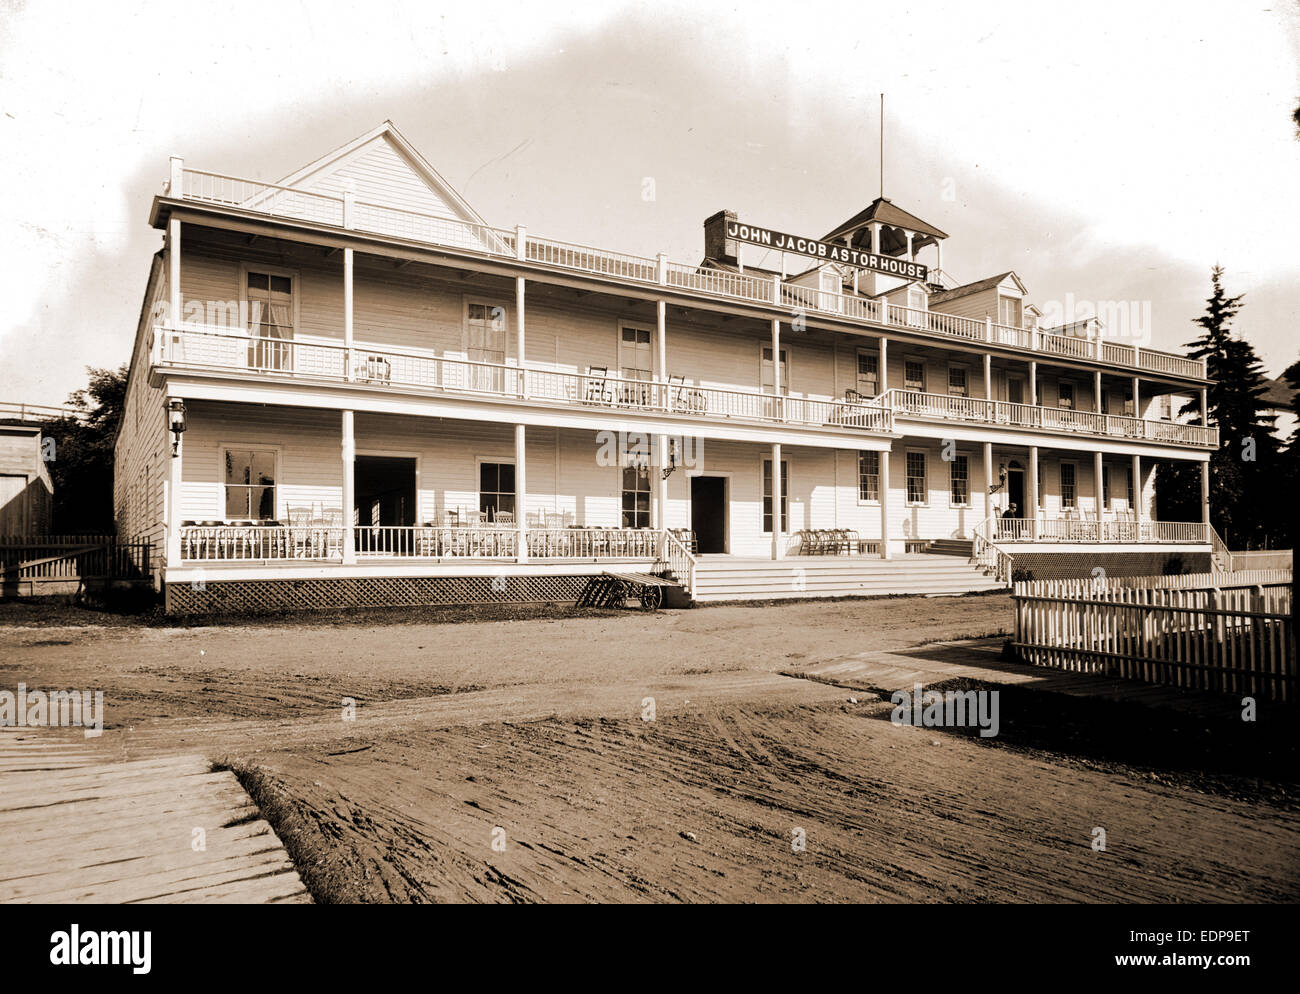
74, 828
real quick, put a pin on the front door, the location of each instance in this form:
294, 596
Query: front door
709, 512
1016, 492
385, 491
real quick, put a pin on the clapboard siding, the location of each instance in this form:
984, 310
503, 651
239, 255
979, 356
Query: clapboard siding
380, 173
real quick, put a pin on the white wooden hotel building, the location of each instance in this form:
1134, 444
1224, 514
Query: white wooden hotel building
348, 388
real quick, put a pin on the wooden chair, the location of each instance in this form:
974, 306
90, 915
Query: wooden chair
596, 386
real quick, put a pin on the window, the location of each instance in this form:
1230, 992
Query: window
1009, 311
485, 342
868, 374
960, 480
1128, 486
1065, 394
1105, 487
957, 381
914, 375
270, 320
1067, 484
496, 488
1015, 390
636, 485
634, 354
766, 374
767, 496
869, 476
916, 489
1104, 407
1166, 407
250, 484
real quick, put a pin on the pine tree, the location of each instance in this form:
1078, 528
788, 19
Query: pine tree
1244, 470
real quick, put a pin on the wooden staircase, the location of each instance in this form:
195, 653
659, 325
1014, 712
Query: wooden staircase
952, 547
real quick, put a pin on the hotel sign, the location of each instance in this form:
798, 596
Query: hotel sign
829, 251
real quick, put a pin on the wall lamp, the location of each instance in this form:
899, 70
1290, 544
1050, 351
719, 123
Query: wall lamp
176, 423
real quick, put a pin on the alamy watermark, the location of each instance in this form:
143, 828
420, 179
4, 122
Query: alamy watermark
923, 708
55, 709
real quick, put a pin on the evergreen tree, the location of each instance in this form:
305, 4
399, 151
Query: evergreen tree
1244, 469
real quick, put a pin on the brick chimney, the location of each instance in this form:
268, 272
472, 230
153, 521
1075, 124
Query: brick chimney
716, 243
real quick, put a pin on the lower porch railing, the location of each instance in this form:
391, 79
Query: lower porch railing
222, 543
1090, 530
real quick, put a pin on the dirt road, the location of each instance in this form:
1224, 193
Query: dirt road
513, 762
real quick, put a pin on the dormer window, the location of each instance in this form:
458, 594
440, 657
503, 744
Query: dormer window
1009, 311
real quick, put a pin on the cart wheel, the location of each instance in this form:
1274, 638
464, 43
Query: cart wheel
618, 594
652, 597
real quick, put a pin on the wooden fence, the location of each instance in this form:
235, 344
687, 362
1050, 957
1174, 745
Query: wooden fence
1231, 637
37, 564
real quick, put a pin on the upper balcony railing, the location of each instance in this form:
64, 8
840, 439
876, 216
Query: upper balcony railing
948, 408
338, 211
222, 349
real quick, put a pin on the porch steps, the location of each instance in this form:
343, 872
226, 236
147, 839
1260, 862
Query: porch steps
924, 574
952, 547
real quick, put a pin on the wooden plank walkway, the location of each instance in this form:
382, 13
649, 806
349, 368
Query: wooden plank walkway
74, 828
979, 659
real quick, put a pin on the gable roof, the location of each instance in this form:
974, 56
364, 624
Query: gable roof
882, 209
966, 289
318, 170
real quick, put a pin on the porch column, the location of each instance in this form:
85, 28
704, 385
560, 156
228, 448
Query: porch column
349, 486
661, 484
661, 340
776, 369
875, 238
884, 497
1033, 383
173, 552
519, 335
174, 271
883, 385
348, 366
777, 483
1097, 488
1096, 391
1205, 491
988, 376
1137, 490
1205, 408
349, 202
521, 494
988, 483
1032, 510
1136, 390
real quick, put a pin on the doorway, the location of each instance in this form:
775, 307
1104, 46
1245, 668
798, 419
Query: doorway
709, 512
385, 490
1016, 490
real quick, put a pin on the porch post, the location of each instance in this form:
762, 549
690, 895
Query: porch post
1137, 490
173, 553
988, 483
349, 486
174, 271
1097, 488
661, 485
777, 483
519, 335
776, 370
521, 494
349, 201
1033, 383
988, 376
884, 497
1205, 408
1137, 398
884, 365
661, 348
1205, 491
1096, 391
1032, 510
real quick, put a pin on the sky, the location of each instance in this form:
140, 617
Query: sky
1104, 151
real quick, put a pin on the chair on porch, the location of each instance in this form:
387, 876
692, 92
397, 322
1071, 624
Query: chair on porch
299, 529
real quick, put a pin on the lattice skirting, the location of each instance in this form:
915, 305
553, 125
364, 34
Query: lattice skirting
267, 596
